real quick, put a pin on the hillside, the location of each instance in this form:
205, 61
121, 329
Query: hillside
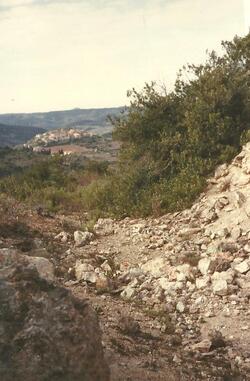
158, 241
171, 293
172, 141
59, 136
11, 135
87, 119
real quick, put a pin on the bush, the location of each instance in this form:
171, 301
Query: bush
170, 142
53, 183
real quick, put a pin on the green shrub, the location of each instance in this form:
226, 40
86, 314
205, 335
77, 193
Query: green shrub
170, 142
52, 183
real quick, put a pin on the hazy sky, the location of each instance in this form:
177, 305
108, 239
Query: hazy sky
62, 54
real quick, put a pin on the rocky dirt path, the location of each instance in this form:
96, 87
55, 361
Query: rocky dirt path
172, 293
141, 342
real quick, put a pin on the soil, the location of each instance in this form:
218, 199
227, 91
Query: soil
142, 354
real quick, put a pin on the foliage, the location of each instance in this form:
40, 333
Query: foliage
171, 141
54, 183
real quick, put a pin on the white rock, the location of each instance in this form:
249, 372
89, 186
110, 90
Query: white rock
185, 272
236, 233
223, 233
155, 266
135, 272
188, 232
220, 287
164, 283
104, 226
44, 267
246, 248
243, 283
128, 293
242, 267
178, 285
89, 277
82, 238
180, 307
138, 228
168, 287
221, 171
85, 271
203, 347
181, 277
63, 237
204, 265
228, 276
190, 286
202, 282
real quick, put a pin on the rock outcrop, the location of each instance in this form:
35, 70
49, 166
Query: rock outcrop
46, 334
195, 263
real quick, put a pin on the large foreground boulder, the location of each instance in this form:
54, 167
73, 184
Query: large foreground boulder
46, 334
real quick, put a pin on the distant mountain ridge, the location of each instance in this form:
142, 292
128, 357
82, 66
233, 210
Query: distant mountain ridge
87, 119
14, 135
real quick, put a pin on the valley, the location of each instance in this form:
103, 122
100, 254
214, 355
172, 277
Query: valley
125, 234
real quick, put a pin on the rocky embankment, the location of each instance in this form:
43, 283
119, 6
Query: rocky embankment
46, 333
172, 293
194, 266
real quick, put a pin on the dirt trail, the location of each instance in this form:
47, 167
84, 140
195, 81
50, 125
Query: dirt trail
172, 293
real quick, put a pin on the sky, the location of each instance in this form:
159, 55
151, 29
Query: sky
64, 54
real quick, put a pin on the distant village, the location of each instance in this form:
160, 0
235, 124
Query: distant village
55, 141
68, 141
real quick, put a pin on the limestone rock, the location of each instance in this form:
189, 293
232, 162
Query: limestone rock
228, 276
189, 232
155, 266
180, 307
221, 203
203, 346
128, 293
185, 272
82, 238
63, 237
236, 232
247, 247
204, 265
220, 287
202, 282
43, 266
85, 271
45, 332
104, 226
221, 171
242, 267
166, 285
